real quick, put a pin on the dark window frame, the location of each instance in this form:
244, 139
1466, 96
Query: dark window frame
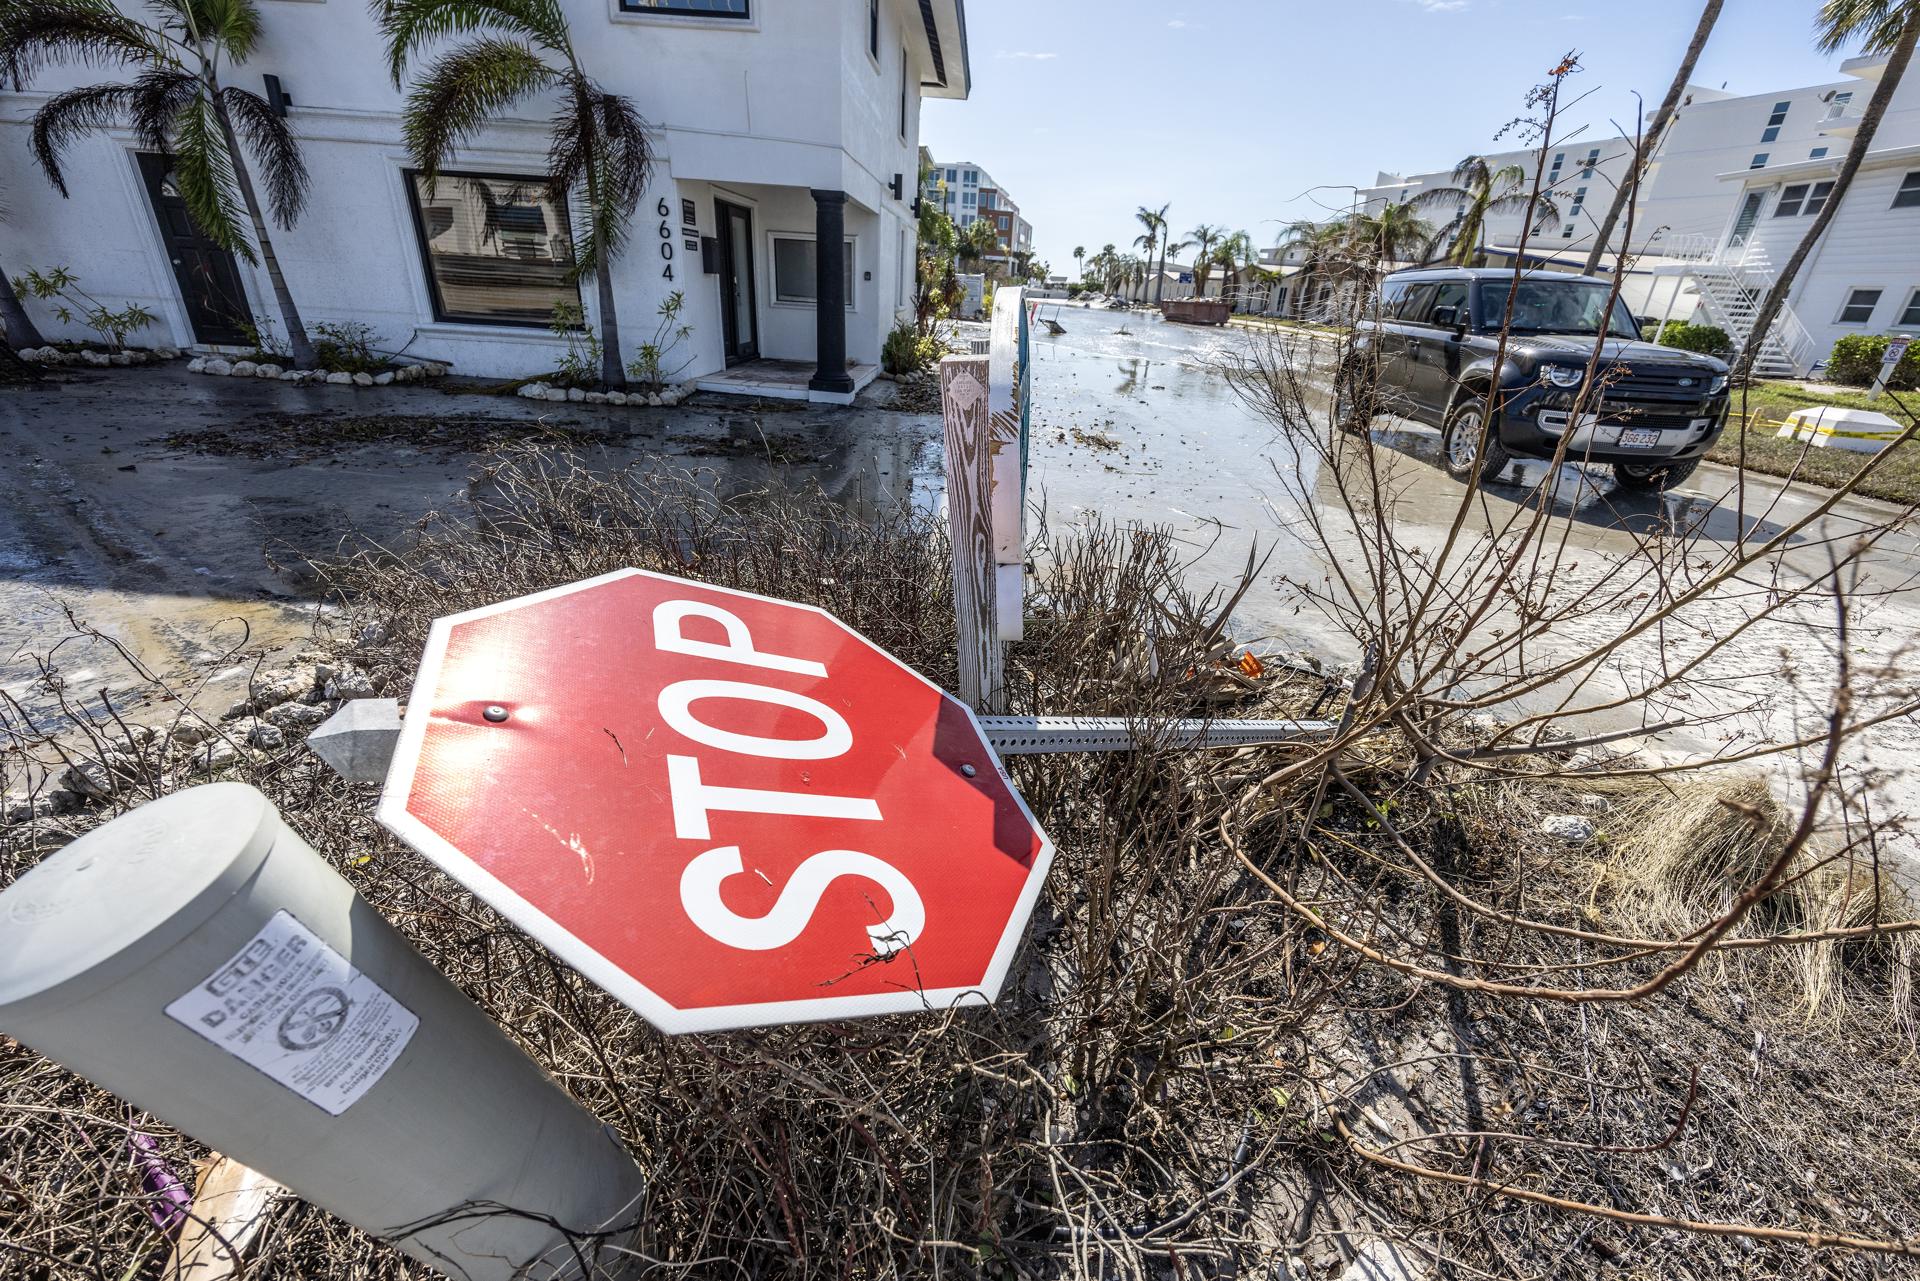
441, 315
773, 271
1791, 198
1849, 304
686, 9
1910, 314
1907, 194
873, 32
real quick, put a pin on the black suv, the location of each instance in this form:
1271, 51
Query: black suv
1433, 338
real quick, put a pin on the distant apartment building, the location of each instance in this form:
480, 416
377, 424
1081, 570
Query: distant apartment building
785, 140
968, 194
1726, 200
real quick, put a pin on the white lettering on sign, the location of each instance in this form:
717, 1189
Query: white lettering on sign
669, 615
293, 1008
793, 910
694, 800
676, 708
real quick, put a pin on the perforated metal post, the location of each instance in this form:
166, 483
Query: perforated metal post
1035, 735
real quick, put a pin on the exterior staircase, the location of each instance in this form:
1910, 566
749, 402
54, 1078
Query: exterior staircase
1731, 292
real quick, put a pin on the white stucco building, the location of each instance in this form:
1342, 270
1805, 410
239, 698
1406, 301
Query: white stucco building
777, 124
1726, 200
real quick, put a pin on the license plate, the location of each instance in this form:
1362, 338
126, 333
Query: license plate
1639, 438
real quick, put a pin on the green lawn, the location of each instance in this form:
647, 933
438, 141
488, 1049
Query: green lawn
1767, 404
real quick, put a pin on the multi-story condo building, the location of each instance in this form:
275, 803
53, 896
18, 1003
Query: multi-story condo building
968, 193
1726, 200
785, 137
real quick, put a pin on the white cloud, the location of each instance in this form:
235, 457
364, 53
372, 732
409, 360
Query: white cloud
1027, 55
1442, 6
1178, 23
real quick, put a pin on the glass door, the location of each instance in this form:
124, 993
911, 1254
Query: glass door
739, 324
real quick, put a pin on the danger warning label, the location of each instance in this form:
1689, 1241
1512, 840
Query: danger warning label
292, 1007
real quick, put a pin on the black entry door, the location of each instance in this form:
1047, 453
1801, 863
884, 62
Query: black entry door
737, 320
209, 279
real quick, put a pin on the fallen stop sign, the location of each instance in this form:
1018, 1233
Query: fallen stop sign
727, 810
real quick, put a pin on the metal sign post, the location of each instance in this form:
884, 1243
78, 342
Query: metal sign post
1896, 352
201, 961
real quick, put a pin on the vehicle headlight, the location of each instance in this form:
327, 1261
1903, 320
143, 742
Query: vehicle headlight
1563, 375
1719, 384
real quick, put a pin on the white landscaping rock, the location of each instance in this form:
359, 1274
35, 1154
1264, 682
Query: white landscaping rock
350, 683
268, 370
217, 367
293, 376
616, 398
121, 358
198, 365
267, 737
575, 395
1568, 827
383, 378
166, 353
98, 359
340, 380
556, 393
596, 398
532, 391
245, 369
295, 716
363, 379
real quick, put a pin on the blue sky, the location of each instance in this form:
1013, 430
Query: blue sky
1234, 109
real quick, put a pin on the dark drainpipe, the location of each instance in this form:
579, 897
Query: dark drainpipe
830, 291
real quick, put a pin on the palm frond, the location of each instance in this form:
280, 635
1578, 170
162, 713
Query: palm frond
629, 157
1546, 213
1439, 196
1879, 25
203, 174
67, 117
92, 33
232, 25
160, 98
410, 24
461, 90
273, 145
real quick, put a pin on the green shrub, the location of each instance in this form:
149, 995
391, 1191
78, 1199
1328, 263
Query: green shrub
346, 347
1708, 340
908, 351
1856, 362
70, 303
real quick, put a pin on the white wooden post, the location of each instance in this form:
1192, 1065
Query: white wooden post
200, 960
963, 405
1008, 375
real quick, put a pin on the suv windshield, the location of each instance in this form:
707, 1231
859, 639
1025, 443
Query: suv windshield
1548, 306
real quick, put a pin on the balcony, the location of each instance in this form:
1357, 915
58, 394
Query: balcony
1842, 120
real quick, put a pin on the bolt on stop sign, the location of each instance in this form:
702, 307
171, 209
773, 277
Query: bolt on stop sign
727, 810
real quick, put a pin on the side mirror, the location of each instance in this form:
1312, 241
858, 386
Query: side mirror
1450, 318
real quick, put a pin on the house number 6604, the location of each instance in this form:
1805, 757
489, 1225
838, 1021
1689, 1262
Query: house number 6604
666, 237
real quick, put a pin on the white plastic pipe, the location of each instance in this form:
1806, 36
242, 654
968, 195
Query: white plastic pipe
197, 958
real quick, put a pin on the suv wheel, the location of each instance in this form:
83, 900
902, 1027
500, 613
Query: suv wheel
1460, 447
1653, 476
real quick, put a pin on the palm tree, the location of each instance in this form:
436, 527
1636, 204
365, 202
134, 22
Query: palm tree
1656, 127
15, 323
1233, 254
1327, 252
1155, 221
1203, 238
1480, 191
1882, 26
1396, 234
1147, 240
176, 106
597, 141
1080, 262
977, 241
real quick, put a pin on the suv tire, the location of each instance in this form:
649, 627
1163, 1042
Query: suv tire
1649, 478
1460, 451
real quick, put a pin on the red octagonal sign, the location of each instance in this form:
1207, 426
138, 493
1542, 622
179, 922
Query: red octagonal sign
727, 810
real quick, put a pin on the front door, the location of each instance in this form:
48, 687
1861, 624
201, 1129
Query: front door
737, 320
209, 278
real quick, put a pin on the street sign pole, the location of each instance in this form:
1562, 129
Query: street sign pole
1896, 352
201, 961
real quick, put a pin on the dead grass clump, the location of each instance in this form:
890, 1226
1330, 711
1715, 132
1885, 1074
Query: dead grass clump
1684, 847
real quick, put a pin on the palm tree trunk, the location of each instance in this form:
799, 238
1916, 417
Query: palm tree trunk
1655, 129
297, 343
1862, 140
13, 369
1160, 276
613, 375
18, 324
296, 333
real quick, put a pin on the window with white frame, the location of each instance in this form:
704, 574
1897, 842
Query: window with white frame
1859, 306
496, 248
1817, 153
1910, 314
690, 8
873, 31
1802, 198
1759, 161
796, 271
1908, 197
903, 92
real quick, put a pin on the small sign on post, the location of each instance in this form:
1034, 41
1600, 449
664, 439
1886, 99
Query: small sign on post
1896, 352
963, 406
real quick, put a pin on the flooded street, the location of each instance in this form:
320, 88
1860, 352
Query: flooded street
174, 513
1131, 423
